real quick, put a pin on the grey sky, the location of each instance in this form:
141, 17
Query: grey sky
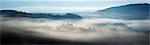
63, 5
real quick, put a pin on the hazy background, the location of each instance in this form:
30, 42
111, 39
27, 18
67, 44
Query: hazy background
61, 6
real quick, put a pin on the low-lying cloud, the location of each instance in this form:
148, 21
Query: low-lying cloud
79, 30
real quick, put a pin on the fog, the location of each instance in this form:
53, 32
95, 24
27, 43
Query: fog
84, 30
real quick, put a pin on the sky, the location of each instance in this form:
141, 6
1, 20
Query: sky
64, 5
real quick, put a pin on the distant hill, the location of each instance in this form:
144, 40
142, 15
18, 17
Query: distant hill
130, 12
14, 13
48, 15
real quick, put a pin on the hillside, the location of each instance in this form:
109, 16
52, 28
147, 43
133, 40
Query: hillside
130, 12
14, 13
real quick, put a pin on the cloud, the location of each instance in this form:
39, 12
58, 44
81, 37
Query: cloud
46, 28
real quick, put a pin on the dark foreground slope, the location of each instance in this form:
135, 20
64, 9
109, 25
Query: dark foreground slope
12, 38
